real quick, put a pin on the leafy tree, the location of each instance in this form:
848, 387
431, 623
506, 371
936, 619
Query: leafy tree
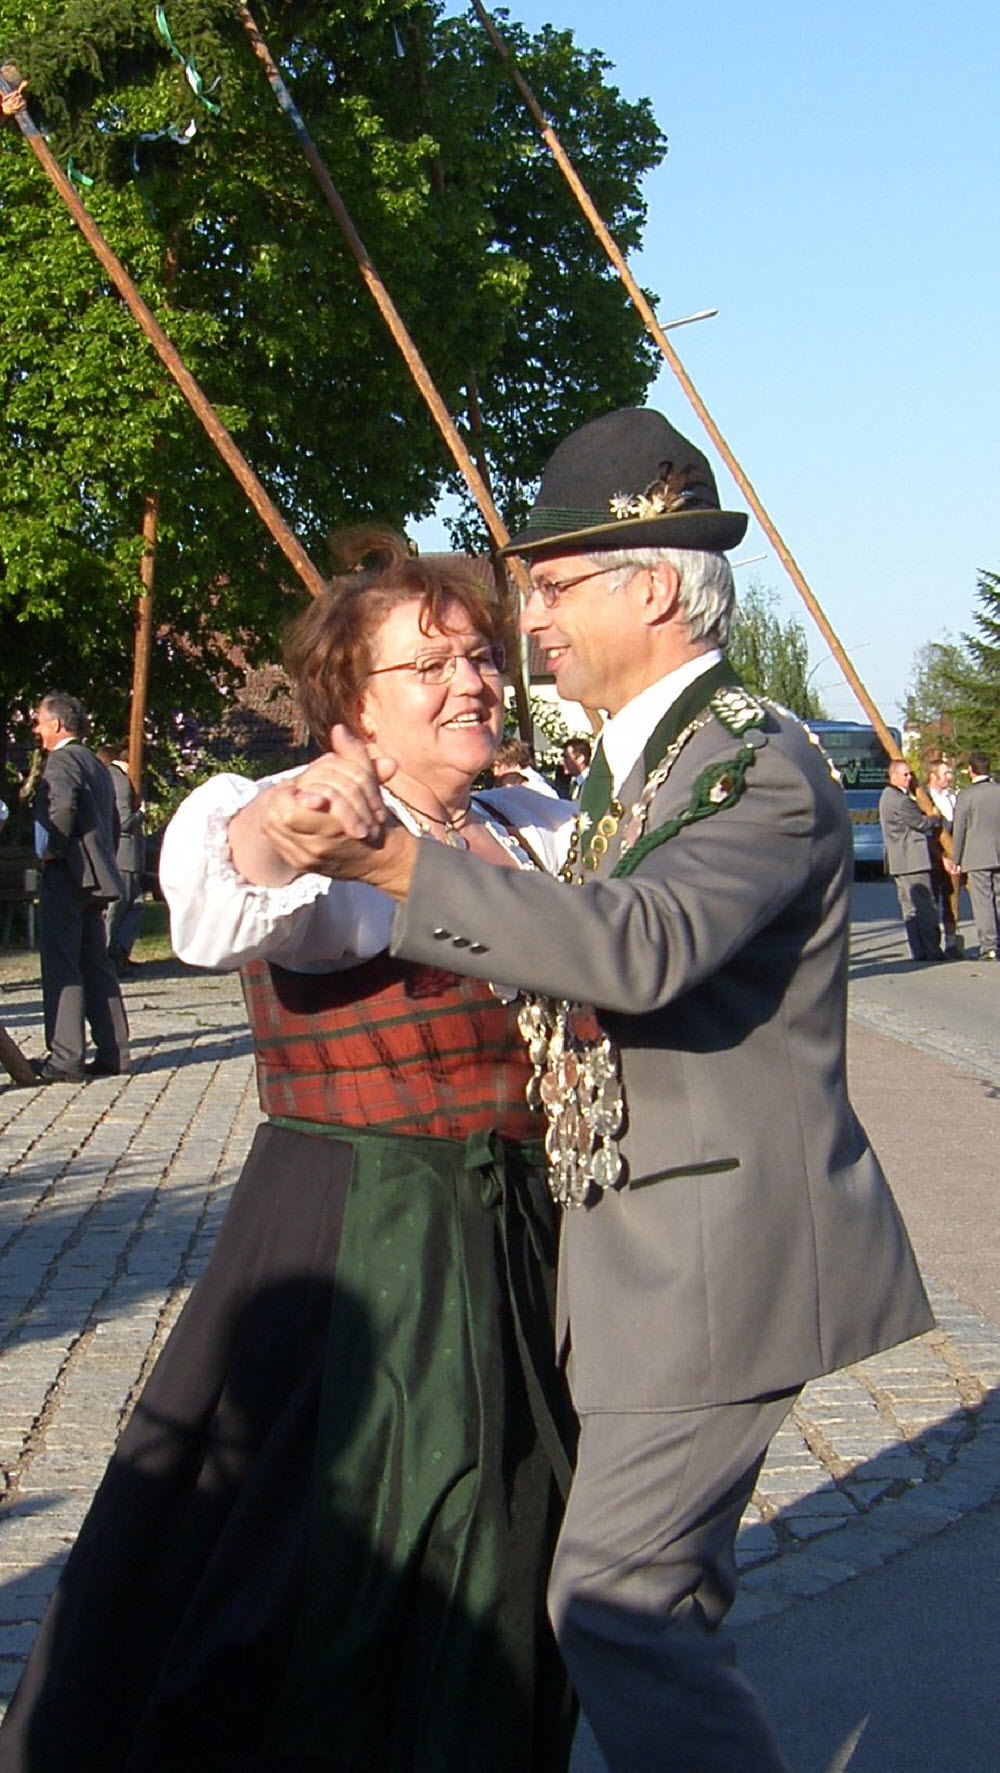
771, 655
953, 699
208, 201
931, 703
979, 688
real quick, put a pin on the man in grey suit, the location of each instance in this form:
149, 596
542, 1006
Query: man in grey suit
77, 837
907, 833
124, 916
976, 850
732, 1234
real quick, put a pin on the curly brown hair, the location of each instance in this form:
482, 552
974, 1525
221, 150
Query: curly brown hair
329, 649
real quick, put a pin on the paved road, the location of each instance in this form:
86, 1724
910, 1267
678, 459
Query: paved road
114, 1190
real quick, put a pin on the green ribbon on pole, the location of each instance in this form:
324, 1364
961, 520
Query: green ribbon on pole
79, 180
191, 73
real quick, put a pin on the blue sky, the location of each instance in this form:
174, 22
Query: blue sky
831, 186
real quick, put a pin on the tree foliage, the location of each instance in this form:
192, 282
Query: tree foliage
979, 689
953, 698
210, 204
771, 655
930, 705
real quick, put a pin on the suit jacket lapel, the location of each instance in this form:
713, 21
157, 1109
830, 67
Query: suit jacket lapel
689, 703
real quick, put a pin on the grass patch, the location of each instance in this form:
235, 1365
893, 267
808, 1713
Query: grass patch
153, 940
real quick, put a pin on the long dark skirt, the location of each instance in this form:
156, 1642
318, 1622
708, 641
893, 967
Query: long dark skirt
323, 1540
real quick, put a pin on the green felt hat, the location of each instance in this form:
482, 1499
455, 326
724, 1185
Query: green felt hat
628, 480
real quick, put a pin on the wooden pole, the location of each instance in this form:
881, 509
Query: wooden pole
143, 644
11, 86
377, 289
472, 476
520, 673
656, 331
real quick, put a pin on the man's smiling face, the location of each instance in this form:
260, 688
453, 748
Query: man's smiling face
595, 642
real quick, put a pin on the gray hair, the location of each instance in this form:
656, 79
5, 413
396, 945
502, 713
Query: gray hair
68, 710
707, 591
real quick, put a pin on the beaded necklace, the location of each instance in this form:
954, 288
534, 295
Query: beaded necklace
452, 828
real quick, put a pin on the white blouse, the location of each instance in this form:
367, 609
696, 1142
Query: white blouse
312, 925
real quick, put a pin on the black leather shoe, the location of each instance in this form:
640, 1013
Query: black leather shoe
46, 1073
99, 1068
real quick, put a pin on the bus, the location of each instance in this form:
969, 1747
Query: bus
861, 760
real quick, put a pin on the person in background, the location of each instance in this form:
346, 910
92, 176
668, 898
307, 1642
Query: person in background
576, 757
76, 838
514, 767
907, 833
947, 886
124, 916
976, 851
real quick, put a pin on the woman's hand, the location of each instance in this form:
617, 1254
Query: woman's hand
329, 820
345, 785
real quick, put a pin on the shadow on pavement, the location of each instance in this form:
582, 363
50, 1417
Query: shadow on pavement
894, 1672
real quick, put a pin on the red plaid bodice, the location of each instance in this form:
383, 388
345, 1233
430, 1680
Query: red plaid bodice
388, 1044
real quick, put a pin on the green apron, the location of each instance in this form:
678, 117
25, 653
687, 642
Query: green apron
423, 1645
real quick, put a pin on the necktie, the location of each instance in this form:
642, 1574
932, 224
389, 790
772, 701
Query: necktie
596, 796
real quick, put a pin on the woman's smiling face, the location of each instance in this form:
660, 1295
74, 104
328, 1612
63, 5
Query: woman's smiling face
441, 734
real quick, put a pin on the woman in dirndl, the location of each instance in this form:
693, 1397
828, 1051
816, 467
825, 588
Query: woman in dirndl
323, 1540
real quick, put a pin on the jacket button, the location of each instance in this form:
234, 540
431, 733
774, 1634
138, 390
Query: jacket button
460, 941
441, 935
477, 947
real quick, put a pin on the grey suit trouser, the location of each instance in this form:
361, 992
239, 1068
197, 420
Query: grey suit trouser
124, 915
984, 897
78, 979
918, 908
643, 1574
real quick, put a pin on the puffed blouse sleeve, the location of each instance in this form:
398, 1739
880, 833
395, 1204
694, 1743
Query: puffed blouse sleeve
221, 921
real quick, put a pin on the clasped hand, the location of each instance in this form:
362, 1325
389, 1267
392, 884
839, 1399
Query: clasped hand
332, 819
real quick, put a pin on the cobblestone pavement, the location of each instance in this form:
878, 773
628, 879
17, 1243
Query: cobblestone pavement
113, 1193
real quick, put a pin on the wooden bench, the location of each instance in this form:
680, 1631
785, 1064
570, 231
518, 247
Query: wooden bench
20, 874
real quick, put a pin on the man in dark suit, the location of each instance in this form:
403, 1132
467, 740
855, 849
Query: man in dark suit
575, 766
976, 851
124, 915
907, 833
76, 837
726, 1198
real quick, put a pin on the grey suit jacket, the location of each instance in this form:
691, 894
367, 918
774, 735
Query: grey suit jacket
75, 805
906, 831
756, 1242
976, 832
131, 844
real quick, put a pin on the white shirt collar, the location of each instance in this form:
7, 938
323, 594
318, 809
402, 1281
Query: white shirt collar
624, 735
